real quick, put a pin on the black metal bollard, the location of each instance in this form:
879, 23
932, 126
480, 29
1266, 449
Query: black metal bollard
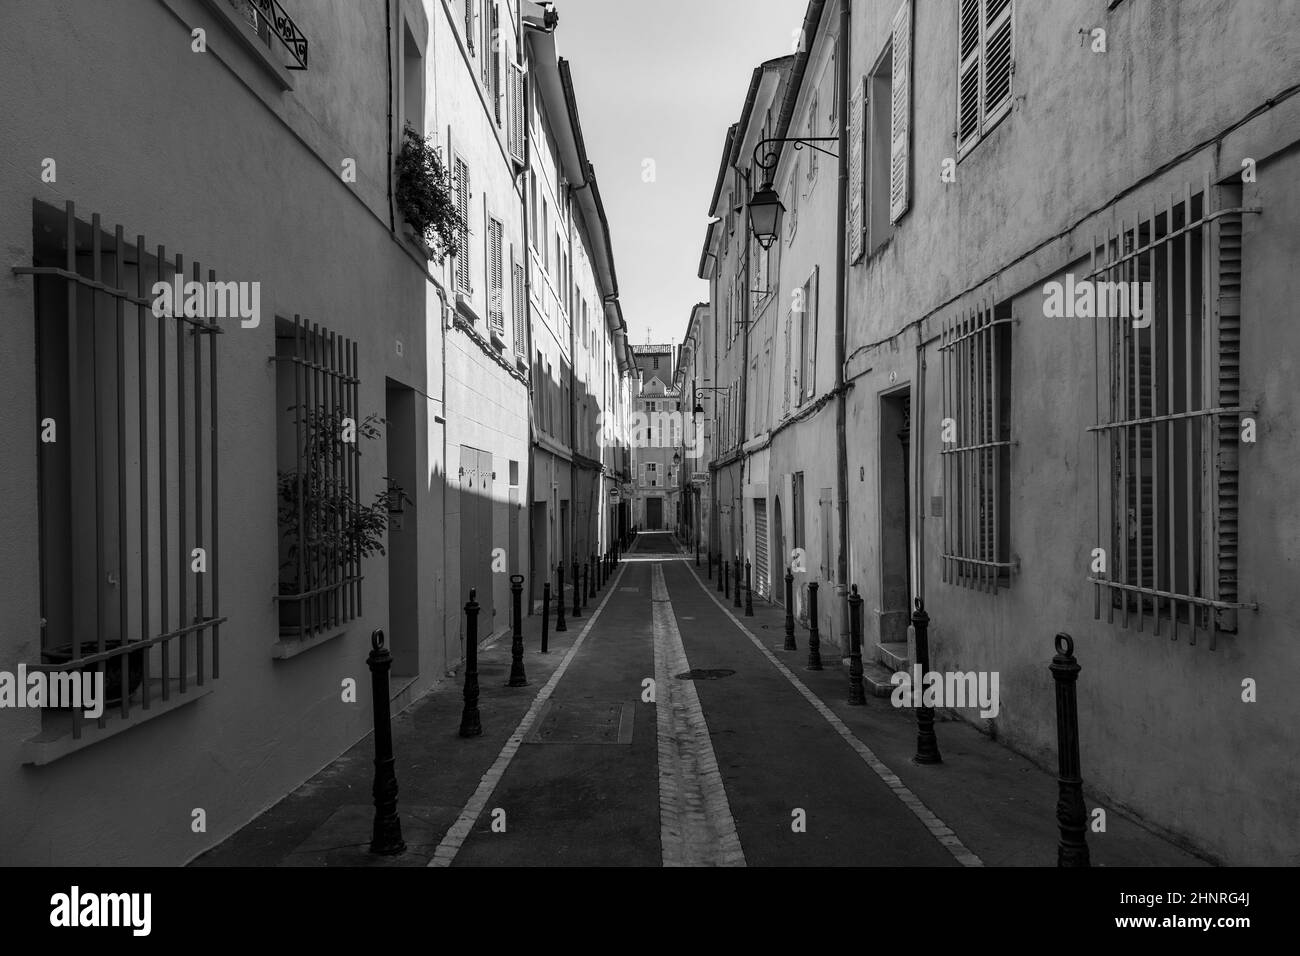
559, 599
1071, 814
790, 644
927, 745
469, 720
749, 590
710, 555
577, 591
386, 836
857, 694
738, 567
586, 583
595, 576
814, 637
546, 617
697, 554
726, 579
517, 676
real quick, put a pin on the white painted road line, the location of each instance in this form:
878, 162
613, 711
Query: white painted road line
696, 827
460, 830
937, 828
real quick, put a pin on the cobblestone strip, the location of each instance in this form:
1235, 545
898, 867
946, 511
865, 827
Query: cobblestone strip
938, 829
696, 827
464, 825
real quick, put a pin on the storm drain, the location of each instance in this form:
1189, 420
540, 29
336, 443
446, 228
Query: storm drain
582, 722
705, 673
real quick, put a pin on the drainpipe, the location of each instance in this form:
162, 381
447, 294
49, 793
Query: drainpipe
841, 297
743, 423
388, 36
528, 319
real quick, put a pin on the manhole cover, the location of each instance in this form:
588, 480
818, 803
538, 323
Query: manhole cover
582, 722
705, 673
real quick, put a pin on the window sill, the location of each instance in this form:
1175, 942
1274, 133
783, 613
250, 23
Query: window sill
466, 308
287, 648
55, 740
260, 52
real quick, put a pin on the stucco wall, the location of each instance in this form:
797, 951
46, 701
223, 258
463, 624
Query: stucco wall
186, 147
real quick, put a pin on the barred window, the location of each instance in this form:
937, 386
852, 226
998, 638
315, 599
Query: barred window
322, 524
1169, 416
127, 464
976, 454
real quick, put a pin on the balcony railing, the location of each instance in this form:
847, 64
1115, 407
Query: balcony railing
271, 17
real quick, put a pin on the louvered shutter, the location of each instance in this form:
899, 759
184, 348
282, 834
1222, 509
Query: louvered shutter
462, 207
519, 304
1226, 305
900, 112
496, 285
785, 400
968, 74
857, 128
515, 106
997, 61
494, 51
469, 25
811, 310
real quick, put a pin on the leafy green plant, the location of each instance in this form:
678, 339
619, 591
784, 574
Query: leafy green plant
425, 194
320, 521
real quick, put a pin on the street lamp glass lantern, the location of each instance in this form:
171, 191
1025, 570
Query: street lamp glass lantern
765, 210
677, 459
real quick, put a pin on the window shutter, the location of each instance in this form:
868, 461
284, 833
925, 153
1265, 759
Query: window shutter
496, 289
494, 51
520, 309
900, 112
857, 128
811, 310
1226, 305
997, 60
469, 25
968, 74
812, 134
462, 207
785, 399
515, 106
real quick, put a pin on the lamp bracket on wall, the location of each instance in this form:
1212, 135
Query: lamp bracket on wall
766, 157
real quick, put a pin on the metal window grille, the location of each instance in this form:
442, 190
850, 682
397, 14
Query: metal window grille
320, 580
1169, 414
127, 488
267, 18
975, 351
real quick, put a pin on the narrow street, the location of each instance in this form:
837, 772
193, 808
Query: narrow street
755, 761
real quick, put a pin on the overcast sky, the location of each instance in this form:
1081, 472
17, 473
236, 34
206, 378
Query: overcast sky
662, 81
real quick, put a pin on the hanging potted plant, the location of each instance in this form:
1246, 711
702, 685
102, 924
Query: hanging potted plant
425, 197
325, 530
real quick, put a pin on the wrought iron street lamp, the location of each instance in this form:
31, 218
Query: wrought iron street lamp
765, 206
765, 211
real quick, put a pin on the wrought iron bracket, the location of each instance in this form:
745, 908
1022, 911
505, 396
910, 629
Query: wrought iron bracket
766, 158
